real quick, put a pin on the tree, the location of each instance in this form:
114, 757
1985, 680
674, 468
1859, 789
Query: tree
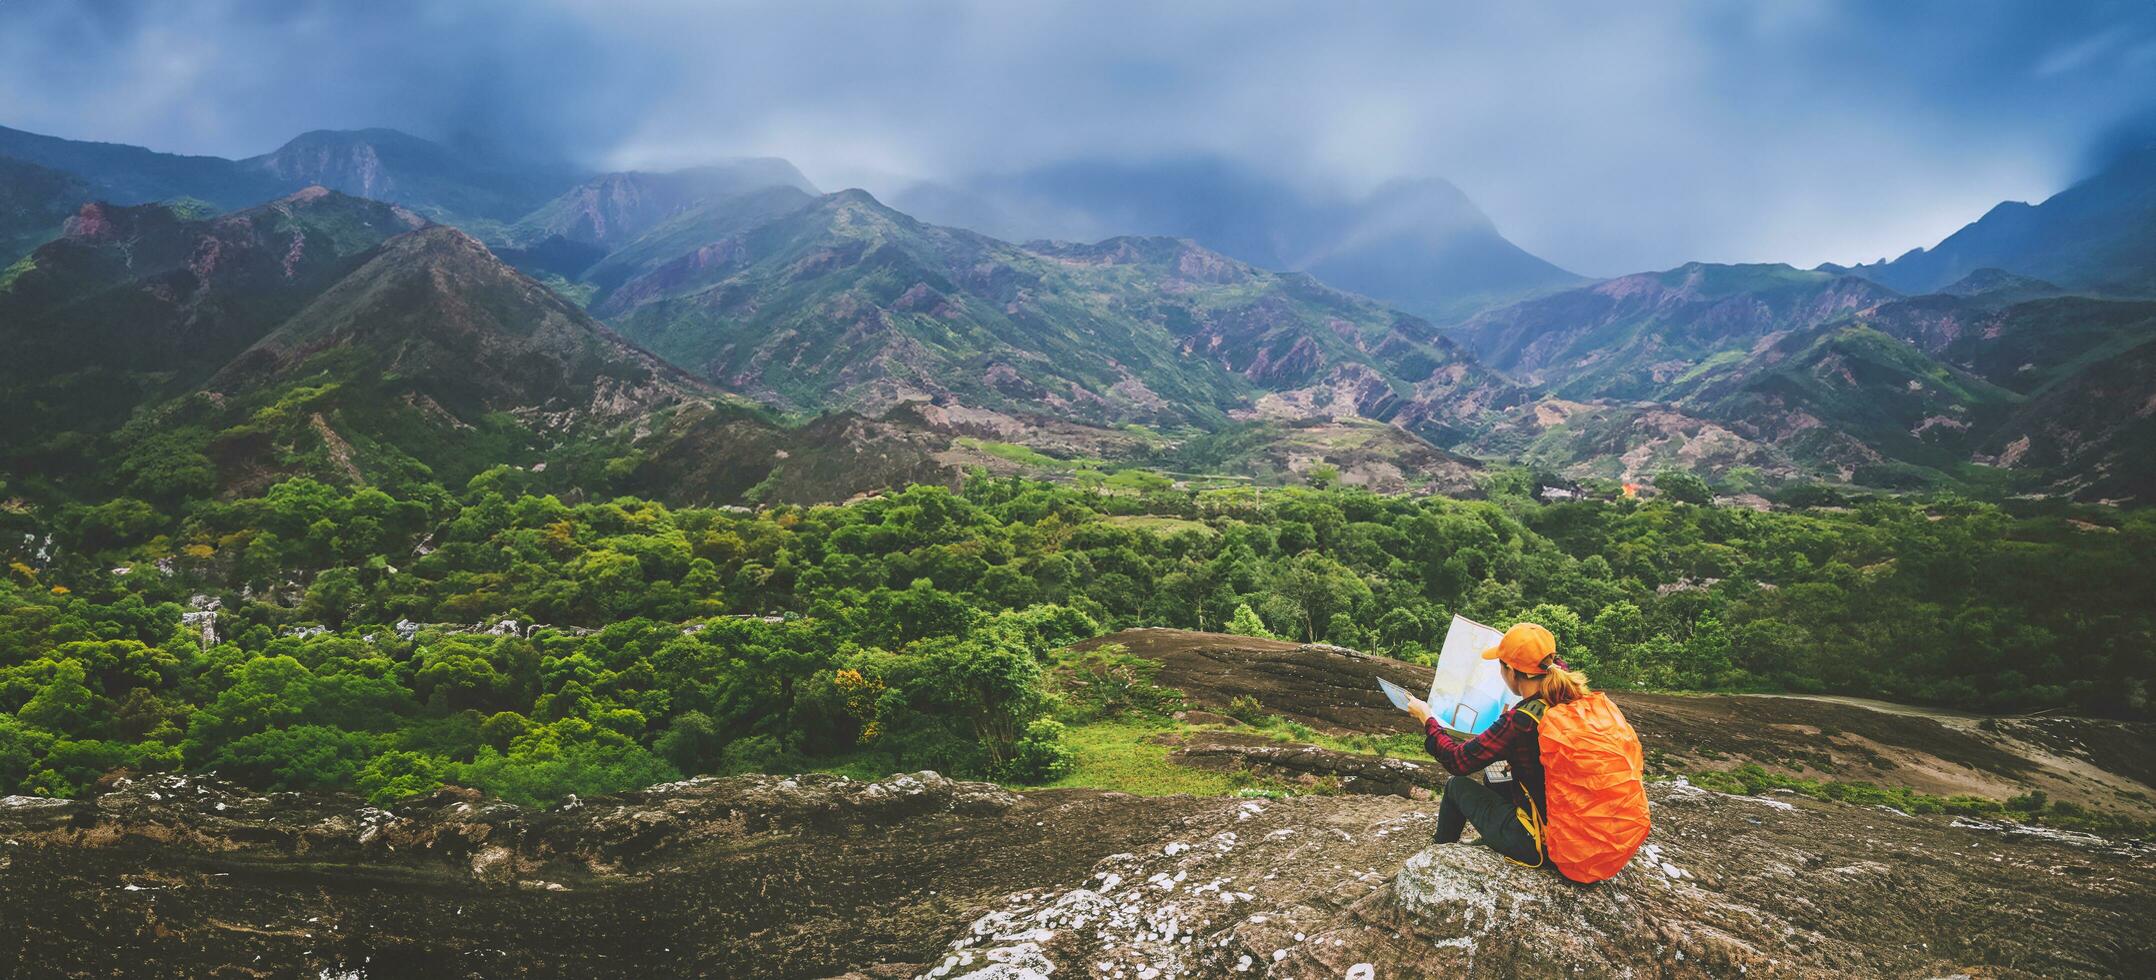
301, 757
333, 595
922, 610
1343, 630
692, 742
471, 672
393, 777
564, 757
612, 582
269, 692
1041, 755
1319, 587
1246, 623
18, 753
118, 522
1400, 626
1683, 487
170, 466
64, 704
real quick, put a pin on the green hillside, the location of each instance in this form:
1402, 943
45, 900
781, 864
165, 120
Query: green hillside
360, 642
1858, 401
848, 303
700, 224
140, 303
162, 356
1632, 337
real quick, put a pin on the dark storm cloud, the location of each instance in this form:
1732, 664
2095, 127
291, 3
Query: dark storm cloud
1607, 137
239, 77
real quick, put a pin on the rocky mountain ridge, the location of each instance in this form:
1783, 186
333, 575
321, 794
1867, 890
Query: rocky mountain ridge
742, 277
446, 183
847, 302
2094, 236
614, 209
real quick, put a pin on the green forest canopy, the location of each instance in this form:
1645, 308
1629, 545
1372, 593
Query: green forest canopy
922, 629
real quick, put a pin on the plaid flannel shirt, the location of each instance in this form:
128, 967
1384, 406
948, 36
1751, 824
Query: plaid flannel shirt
1512, 739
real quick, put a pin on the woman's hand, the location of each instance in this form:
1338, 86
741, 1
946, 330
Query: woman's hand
1420, 710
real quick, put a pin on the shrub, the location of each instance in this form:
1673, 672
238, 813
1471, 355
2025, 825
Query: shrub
758, 753
1041, 755
1109, 682
393, 777
1247, 710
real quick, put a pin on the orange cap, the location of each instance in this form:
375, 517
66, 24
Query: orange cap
1524, 648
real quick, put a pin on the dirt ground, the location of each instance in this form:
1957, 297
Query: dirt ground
818, 876
748, 877
2099, 763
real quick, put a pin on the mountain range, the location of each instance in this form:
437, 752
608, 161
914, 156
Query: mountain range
845, 302
2097, 236
730, 332
1784, 370
1419, 245
165, 354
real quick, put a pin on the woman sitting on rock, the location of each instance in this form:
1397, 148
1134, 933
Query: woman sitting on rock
1509, 817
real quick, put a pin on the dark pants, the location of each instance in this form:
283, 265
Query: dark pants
1468, 801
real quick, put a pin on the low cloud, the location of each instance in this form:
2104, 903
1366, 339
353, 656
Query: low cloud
1608, 138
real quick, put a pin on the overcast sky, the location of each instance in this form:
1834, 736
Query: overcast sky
1606, 137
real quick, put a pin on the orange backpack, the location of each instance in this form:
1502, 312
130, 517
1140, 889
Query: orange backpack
1591, 773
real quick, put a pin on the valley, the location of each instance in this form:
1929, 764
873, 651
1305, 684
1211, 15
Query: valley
437, 557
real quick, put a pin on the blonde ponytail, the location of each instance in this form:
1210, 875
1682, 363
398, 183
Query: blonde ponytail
1560, 685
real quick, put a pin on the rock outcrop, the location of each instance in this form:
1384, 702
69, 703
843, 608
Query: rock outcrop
1728, 886
754, 876
822, 876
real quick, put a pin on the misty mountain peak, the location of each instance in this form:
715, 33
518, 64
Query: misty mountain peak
2095, 236
439, 181
1417, 243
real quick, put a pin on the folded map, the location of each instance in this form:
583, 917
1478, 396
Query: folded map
1468, 693
1395, 693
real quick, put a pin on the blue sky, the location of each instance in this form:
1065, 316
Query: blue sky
1606, 137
